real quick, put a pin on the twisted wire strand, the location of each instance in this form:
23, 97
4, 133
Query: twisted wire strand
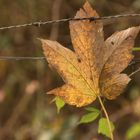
21, 58
39, 23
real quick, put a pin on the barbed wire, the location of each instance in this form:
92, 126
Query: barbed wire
39, 23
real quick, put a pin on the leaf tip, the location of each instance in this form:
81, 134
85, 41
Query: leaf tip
87, 4
49, 93
41, 40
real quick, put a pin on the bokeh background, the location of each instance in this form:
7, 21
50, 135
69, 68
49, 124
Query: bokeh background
26, 112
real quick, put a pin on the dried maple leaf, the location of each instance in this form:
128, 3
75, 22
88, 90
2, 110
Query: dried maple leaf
94, 67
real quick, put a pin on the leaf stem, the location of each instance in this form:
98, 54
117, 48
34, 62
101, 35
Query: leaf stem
107, 117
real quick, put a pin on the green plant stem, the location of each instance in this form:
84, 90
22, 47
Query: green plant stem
107, 117
136, 49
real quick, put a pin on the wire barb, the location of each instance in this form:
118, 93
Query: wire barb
39, 23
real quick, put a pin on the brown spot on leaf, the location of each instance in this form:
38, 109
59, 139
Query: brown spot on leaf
79, 60
91, 78
112, 42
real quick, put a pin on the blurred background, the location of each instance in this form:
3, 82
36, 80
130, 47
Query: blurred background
26, 112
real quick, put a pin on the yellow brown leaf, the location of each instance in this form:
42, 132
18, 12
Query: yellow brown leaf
118, 54
87, 39
66, 64
95, 66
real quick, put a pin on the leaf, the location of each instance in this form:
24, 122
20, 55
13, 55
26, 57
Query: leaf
94, 67
118, 55
133, 131
89, 117
92, 109
103, 127
59, 104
